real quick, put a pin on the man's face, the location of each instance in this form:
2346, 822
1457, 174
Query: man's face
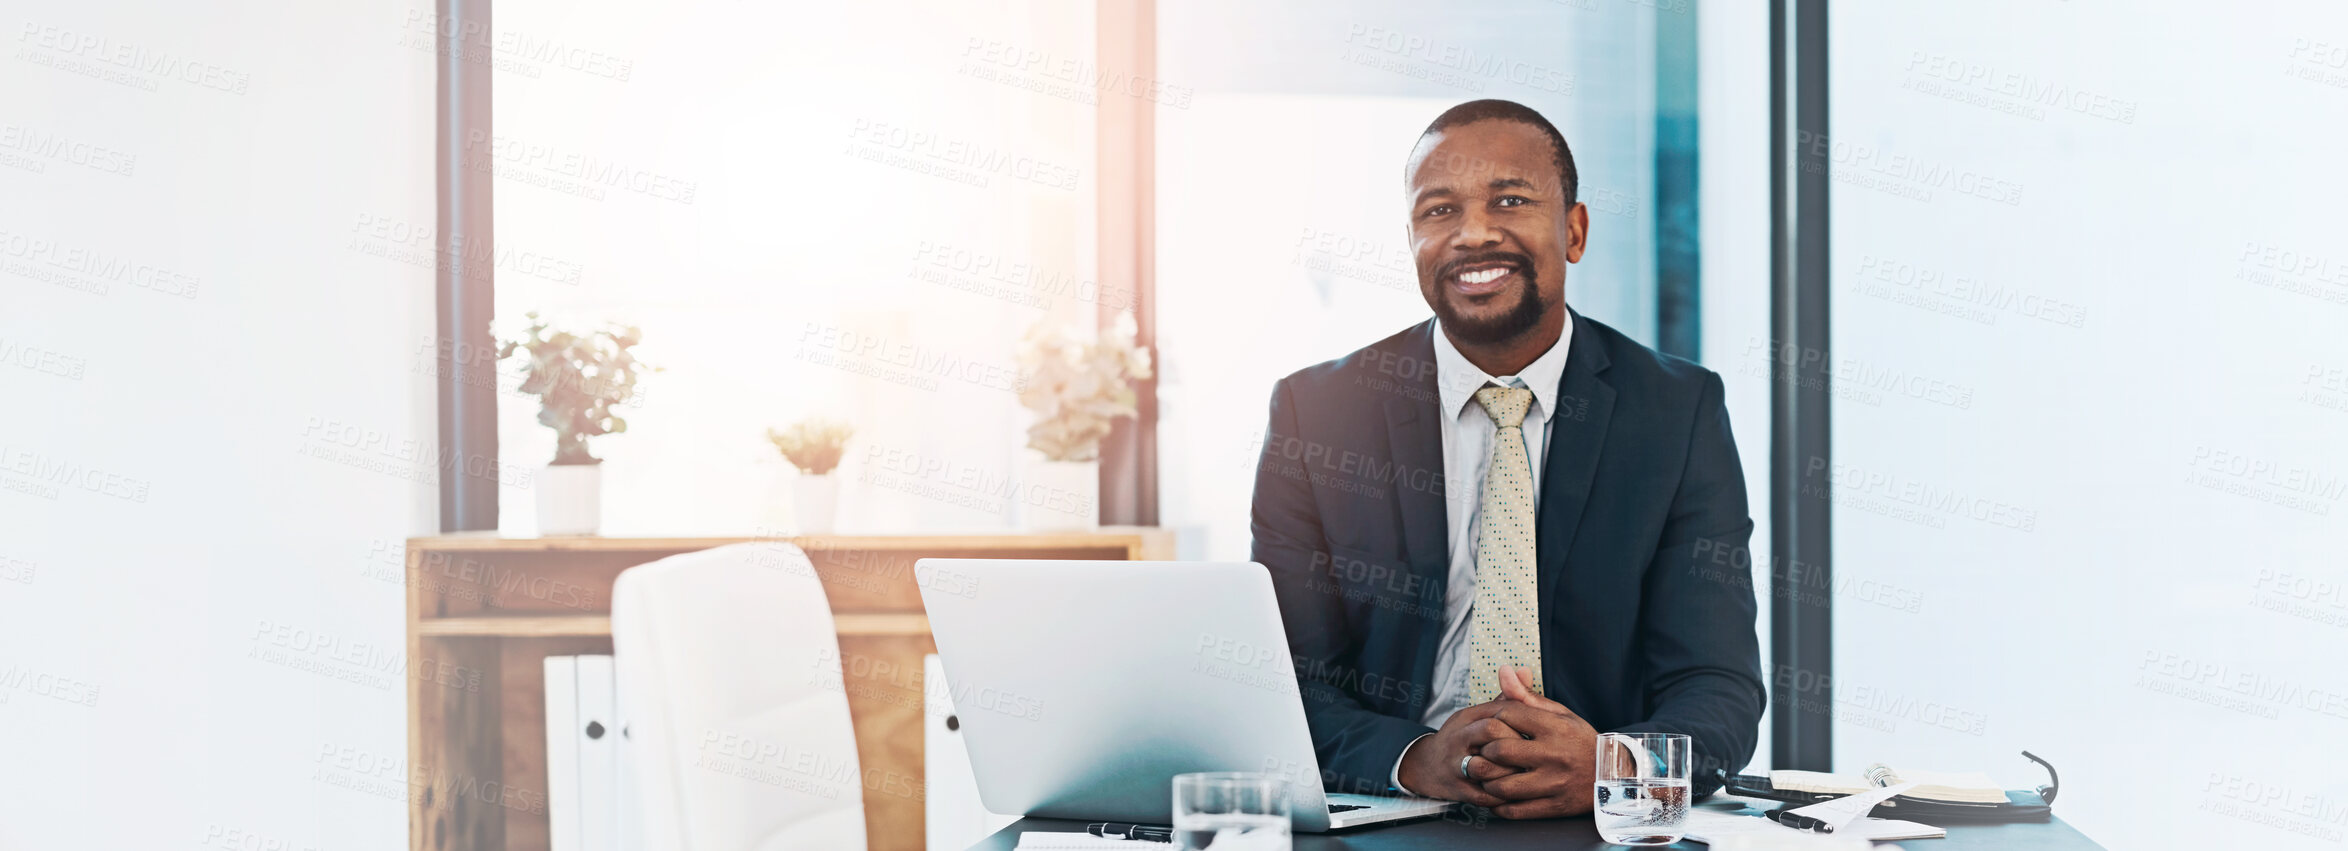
1490, 228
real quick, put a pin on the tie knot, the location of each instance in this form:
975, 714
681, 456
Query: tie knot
1506, 404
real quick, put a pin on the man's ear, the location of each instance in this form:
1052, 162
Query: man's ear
1577, 231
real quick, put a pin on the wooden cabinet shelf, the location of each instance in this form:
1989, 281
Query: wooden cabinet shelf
517, 627
558, 626
484, 611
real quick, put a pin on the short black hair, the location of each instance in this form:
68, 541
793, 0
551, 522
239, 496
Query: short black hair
1508, 110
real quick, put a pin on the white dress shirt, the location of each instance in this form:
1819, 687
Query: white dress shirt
1468, 433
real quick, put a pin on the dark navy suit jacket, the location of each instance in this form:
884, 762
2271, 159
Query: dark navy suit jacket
1646, 598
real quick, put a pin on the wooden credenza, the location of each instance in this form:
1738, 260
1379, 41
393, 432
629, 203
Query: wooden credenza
483, 611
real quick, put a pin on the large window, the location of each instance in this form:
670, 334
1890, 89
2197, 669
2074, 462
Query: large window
1281, 221
841, 210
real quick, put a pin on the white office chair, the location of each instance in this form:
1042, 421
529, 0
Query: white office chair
729, 667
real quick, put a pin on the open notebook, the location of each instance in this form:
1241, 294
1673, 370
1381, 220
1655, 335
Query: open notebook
1971, 787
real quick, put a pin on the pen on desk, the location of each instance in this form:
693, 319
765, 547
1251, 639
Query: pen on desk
1798, 821
1121, 830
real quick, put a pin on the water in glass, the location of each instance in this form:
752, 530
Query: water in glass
1641, 810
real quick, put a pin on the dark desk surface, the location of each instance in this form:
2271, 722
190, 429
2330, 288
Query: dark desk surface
1459, 831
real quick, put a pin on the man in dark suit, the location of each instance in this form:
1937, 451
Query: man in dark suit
1501, 531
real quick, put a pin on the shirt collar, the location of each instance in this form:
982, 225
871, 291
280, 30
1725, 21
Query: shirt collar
1457, 380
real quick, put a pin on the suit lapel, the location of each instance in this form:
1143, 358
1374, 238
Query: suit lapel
1577, 436
1415, 437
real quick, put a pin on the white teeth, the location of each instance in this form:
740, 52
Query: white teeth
1483, 276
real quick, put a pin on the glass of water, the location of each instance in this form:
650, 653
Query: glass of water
1231, 811
1642, 789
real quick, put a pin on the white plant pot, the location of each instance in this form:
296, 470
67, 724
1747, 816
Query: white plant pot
817, 500
1059, 496
570, 499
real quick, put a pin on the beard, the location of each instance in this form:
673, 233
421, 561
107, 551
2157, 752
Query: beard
1498, 328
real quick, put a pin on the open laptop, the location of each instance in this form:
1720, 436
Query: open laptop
1083, 687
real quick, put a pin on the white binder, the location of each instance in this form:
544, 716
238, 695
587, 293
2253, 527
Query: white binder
598, 731
562, 753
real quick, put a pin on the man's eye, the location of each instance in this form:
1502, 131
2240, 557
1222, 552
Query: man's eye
1513, 200
1436, 210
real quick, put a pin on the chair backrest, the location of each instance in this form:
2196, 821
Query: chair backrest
730, 670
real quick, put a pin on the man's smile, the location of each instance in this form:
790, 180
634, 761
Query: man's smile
1484, 278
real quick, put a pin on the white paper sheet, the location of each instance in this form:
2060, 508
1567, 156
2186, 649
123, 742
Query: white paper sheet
1840, 812
1036, 840
1709, 826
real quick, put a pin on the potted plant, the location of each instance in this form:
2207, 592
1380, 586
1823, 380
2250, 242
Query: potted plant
577, 377
1077, 389
814, 447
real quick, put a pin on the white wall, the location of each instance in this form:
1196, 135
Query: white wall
2089, 308
209, 456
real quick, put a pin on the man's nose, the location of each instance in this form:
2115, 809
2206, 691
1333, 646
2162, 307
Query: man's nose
1476, 231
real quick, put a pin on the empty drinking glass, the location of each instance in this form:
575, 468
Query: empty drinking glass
1230, 811
1642, 787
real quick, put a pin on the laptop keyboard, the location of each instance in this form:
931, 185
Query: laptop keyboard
1345, 808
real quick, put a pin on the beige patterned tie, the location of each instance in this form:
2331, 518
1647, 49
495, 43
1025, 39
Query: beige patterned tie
1507, 618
